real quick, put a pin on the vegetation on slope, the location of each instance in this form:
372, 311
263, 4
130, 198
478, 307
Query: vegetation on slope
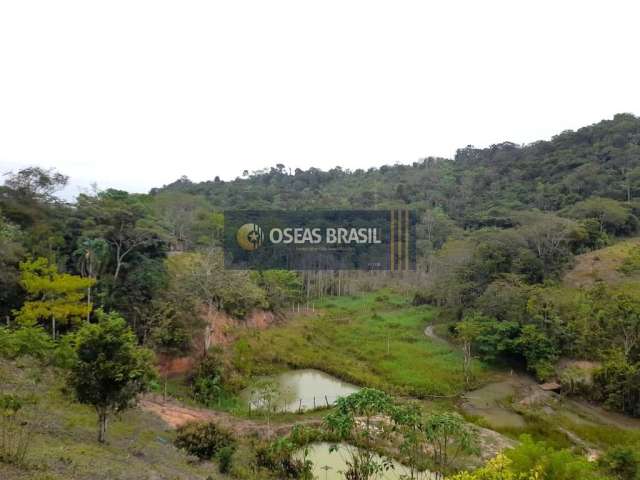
375, 339
62, 435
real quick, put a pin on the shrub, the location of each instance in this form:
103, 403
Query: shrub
279, 457
631, 263
14, 434
622, 463
203, 440
33, 341
225, 455
207, 381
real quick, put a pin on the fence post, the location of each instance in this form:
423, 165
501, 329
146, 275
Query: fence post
314, 402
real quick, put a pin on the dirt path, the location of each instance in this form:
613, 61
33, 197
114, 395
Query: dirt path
176, 415
429, 333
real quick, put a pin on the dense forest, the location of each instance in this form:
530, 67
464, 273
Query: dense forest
498, 230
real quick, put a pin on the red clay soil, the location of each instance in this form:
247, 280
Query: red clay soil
222, 328
175, 415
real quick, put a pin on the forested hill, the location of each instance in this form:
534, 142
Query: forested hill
480, 186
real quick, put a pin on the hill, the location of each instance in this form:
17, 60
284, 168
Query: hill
479, 187
62, 443
603, 264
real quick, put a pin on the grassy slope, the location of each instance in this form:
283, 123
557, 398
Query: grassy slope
348, 338
603, 265
64, 442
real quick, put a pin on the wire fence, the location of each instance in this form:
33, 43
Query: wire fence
298, 405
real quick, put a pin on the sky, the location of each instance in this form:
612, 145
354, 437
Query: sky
134, 94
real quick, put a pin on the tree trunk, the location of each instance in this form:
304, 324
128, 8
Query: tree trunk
53, 327
118, 264
102, 427
164, 390
88, 304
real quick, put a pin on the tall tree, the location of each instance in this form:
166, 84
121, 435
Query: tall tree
123, 220
11, 251
91, 255
467, 332
52, 296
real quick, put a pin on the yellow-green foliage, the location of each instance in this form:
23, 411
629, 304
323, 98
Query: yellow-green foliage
631, 263
534, 461
52, 295
496, 469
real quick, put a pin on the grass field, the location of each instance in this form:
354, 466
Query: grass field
63, 441
374, 340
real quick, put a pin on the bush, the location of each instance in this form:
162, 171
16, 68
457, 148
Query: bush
224, 456
631, 263
279, 457
14, 434
33, 341
207, 381
204, 440
622, 463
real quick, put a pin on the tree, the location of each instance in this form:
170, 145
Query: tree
409, 421
467, 332
37, 182
53, 296
449, 436
282, 288
10, 253
264, 396
201, 278
613, 216
122, 219
91, 254
179, 214
549, 237
110, 370
352, 421
27, 200
623, 314
617, 384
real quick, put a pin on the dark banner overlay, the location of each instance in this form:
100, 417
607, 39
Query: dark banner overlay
320, 240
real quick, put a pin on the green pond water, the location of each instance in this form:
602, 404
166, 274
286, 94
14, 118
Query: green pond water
303, 389
329, 465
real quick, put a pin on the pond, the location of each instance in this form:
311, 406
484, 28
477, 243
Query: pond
303, 389
489, 402
329, 465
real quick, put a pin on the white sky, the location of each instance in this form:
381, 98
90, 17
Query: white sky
133, 94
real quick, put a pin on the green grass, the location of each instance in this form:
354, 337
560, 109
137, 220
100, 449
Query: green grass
63, 436
374, 340
604, 264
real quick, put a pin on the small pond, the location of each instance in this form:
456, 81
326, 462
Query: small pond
304, 389
329, 465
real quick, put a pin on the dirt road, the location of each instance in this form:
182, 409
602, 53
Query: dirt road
176, 415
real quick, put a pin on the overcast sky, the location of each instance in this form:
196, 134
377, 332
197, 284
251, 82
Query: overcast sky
134, 94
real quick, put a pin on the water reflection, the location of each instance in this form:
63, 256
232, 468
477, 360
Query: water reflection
303, 389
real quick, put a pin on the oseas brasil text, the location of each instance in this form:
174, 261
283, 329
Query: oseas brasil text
331, 235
